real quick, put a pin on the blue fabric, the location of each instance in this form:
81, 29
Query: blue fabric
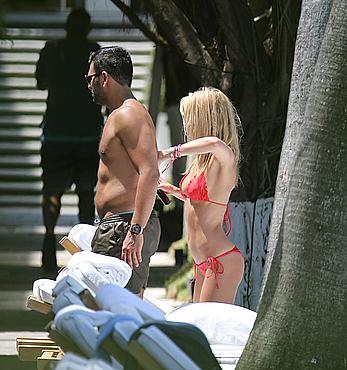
107, 329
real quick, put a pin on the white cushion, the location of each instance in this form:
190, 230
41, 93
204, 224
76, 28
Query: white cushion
112, 269
43, 288
220, 322
82, 235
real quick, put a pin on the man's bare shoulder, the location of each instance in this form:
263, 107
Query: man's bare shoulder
131, 113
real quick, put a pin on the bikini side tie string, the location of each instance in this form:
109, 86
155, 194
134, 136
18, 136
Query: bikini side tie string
216, 268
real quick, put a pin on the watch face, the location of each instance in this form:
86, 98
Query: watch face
136, 229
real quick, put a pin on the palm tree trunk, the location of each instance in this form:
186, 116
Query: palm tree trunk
302, 319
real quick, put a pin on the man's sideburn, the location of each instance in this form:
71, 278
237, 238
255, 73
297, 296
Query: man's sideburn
96, 91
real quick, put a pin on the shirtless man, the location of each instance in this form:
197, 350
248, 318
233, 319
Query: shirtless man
128, 171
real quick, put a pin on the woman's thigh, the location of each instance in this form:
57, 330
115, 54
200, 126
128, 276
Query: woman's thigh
228, 281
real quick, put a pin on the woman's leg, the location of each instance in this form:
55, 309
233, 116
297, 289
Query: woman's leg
199, 279
228, 281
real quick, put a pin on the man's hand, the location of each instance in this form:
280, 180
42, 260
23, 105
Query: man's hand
131, 250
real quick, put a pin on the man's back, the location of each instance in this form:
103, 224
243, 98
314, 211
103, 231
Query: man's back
71, 111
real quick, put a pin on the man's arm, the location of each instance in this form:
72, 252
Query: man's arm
137, 135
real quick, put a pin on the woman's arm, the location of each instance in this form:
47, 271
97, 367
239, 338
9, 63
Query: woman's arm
209, 144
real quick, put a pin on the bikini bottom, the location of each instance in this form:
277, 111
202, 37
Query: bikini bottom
213, 264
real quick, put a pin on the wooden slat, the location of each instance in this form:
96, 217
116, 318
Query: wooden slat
20, 341
30, 352
47, 358
69, 245
37, 305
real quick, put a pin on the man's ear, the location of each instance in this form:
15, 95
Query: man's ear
105, 78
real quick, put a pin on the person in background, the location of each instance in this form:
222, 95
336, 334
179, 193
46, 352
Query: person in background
128, 172
211, 127
71, 128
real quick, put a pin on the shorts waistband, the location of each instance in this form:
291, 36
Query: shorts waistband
121, 216
114, 217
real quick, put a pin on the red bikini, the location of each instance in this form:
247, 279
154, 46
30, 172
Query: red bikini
197, 190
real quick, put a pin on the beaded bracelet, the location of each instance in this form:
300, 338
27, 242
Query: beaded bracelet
174, 153
177, 151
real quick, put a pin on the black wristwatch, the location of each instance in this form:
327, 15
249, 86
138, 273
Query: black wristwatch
136, 229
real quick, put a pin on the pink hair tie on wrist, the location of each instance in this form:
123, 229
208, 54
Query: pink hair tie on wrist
177, 151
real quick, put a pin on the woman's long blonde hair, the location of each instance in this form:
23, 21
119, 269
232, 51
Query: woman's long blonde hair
209, 112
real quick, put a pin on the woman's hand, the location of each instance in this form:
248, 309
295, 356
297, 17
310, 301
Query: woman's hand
165, 186
170, 189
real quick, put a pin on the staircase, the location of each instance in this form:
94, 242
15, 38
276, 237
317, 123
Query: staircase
22, 106
21, 110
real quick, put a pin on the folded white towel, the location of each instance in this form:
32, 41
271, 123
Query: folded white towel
42, 290
114, 270
82, 235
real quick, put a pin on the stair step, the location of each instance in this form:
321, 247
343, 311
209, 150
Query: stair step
22, 70
20, 174
134, 47
17, 70
19, 57
24, 58
28, 82
17, 188
17, 161
111, 34
23, 95
27, 147
17, 108
21, 200
20, 121
20, 134
32, 95
22, 45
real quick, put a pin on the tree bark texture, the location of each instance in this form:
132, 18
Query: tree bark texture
302, 319
309, 39
223, 46
180, 34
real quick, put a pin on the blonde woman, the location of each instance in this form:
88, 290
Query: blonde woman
211, 127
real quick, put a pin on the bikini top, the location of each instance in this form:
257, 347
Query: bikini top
197, 190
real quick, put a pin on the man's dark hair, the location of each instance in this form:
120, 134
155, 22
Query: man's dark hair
115, 61
78, 23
